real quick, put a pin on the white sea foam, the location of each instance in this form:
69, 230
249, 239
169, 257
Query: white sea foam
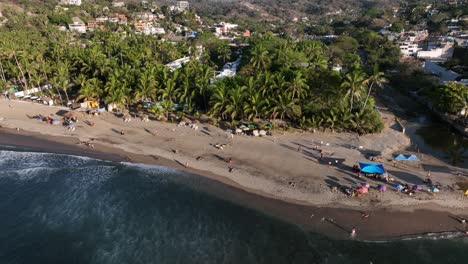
425, 236
143, 166
26, 160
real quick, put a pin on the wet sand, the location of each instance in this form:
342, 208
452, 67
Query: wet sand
382, 224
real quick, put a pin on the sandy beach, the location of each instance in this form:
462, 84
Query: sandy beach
280, 175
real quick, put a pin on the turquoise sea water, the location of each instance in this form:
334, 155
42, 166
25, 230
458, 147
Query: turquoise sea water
67, 209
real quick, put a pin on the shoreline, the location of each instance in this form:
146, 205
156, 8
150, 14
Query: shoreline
387, 223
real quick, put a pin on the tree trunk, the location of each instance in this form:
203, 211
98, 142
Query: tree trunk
66, 95
367, 97
2, 72
59, 94
22, 73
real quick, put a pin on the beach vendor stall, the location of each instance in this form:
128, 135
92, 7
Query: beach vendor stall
374, 170
406, 158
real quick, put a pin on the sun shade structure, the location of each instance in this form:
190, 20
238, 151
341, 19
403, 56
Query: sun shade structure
406, 157
371, 168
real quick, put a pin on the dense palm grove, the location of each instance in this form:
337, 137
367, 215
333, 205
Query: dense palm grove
279, 79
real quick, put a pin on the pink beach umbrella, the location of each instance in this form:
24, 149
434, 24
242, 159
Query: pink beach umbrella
381, 188
366, 185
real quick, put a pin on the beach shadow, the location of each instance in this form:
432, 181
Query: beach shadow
456, 218
219, 157
347, 172
406, 177
310, 154
369, 153
206, 133
338, 226
115, 131
180, 163
311, 160
350, 180
149, 131
436, 168
348, 146
301, 145
61, 112
332, 184
287, 146
396, 127
333, 178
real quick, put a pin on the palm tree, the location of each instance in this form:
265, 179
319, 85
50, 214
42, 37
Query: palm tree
169, 89
286, 106
219, 100
36, 79
90, 90
376, 79
119, 96
254, 105
23, 80
202, 83
146, 86
260, 58
80, 80
354, 83
236, 100
186, 93
297, 86
167, 106
224, 52
264, 82
62, 77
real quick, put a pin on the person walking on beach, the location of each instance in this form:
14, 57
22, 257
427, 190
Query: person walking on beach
122, 132
299, 149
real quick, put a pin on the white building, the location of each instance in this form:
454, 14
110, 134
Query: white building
177, 63
118, 4
148, 16
78, 25
102, 19
444, 52
154, 31
224, 28
182, 5
409, 48
229, 69
70, 2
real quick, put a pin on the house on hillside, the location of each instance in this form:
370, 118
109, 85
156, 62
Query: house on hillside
78, 25
182, 5
118, 4
441, 52
70, 2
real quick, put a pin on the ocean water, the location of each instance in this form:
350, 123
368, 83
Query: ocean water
67, 209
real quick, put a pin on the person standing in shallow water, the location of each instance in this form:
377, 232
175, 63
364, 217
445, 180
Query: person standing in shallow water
353, 232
